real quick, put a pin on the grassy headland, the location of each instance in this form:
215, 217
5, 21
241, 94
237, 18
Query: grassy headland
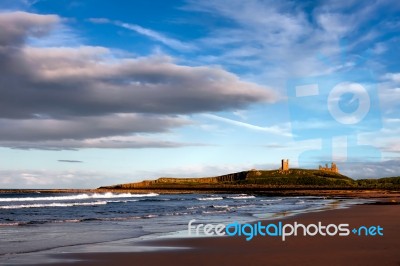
294, 182
264, 180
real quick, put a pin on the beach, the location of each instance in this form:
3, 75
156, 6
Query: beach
196, 133
296, 250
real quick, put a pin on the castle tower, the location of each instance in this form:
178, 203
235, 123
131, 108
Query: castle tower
285, 165
334, 168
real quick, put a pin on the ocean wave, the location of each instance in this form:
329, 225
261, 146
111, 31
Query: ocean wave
67, 221
245, 206
212, 212
210, 198
176, 213
54, 204
154, 199
242, 197
82, 220
107, 195
196, 207
150, 216
271, 200
114, 219
10, 224
220, 206
123, 201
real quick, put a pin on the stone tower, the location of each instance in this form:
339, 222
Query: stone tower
333, 168
285, 165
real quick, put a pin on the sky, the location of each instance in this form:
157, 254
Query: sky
103, 92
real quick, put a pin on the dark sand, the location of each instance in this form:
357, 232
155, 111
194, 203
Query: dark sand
300, 250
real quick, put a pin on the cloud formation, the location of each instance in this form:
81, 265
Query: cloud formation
175, 44
17, 26
52, 94
388, 168
115, 142
282, 130
287, 39
39, 129
152, 34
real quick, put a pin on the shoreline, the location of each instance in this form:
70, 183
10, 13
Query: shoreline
300, 250
286, 192
152, 247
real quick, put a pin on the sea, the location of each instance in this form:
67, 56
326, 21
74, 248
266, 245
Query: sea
34, 222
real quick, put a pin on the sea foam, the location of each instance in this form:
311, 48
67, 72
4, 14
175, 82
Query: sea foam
107, 195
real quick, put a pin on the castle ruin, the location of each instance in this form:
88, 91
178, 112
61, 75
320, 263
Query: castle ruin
285, 165
333, 168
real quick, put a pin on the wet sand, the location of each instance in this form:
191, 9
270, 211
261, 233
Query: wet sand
299, 250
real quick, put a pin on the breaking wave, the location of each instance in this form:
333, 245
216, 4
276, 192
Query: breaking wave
242, 197
210, 198
54, 204
107, 195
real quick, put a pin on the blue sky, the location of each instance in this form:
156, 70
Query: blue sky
103, 92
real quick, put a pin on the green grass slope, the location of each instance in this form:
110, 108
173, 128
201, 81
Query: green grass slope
382, 183
292, 178
298, 177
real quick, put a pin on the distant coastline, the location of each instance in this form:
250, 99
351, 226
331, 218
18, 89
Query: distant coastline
263, 181
293, 182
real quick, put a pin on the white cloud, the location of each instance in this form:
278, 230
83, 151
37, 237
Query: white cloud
395, 77
114, 142
170, 42
70, 94
86, 127
277, 130
388, 168
281, 40
152, 34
